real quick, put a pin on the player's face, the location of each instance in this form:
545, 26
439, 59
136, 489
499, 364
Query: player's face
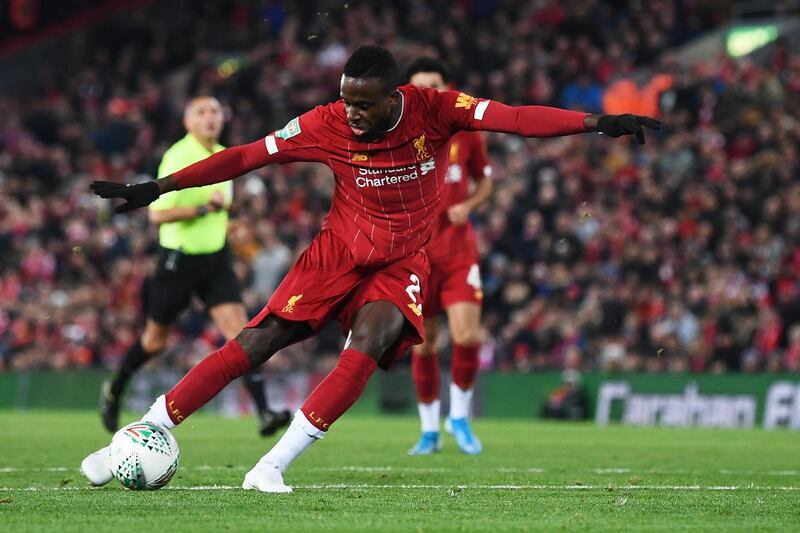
428, 80
203, 118
368, 107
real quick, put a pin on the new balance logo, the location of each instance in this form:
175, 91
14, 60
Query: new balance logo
359, 158
465, 101
416, 309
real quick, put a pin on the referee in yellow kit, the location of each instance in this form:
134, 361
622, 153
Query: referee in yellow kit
193, 259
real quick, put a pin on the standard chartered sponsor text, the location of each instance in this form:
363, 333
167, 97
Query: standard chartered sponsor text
378, 177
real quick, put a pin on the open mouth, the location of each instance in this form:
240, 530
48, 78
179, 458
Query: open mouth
358, 130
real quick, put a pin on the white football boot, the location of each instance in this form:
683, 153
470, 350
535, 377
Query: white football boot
97, 467
266, 476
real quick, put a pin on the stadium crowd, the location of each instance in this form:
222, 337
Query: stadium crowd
682, 255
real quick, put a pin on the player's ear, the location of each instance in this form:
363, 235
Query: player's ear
394, 97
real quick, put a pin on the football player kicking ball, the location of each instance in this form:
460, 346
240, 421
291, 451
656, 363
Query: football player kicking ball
386, 146
454, 283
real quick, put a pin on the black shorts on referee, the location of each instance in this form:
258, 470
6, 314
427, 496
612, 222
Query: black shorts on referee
179, 276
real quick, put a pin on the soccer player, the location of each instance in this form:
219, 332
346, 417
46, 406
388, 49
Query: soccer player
454, 283
193, 259
386, 146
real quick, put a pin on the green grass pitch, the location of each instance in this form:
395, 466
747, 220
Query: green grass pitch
532, 476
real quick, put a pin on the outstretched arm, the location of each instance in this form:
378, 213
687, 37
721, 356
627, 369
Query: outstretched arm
466, 112
222, 166
295, 142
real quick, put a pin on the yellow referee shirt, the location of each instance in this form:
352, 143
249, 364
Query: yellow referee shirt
200, 235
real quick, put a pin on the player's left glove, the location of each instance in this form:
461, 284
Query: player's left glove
137, 195
618, 125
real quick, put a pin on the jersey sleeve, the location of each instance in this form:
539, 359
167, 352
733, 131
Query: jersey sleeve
297, 141
460, 111
479, 166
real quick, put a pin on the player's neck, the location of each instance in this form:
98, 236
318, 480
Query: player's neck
395, 115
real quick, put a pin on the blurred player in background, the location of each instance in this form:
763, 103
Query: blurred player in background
193, 259
454, 284
387, 148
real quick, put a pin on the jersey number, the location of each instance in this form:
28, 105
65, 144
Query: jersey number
474, 277
413, 288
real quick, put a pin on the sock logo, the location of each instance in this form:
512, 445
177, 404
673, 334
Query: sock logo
176, 413
318, 421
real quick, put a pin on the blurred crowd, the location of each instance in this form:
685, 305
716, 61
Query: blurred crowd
681, 255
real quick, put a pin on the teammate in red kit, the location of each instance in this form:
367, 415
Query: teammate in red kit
386, 146
454, 284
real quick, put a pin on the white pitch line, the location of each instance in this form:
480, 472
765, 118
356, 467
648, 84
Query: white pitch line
517, 470
344, 486
9, 469
379, 469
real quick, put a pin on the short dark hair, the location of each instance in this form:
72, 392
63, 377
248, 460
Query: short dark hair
427, 64
372, 61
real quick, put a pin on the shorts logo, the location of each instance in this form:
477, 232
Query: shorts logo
465, 101
359, 157
289, 130
421, 153
417, 309
290, 304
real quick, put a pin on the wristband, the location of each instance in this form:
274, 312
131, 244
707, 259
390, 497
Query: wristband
202, 210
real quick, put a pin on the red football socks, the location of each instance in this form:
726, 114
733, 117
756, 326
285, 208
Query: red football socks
427, 380
339, 390
464, 365
204, 381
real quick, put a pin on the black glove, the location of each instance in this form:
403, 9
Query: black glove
137, 195
618, 125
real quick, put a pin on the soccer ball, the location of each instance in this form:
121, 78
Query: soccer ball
144, 456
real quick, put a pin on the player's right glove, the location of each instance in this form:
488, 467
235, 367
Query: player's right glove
137, 195
618, 125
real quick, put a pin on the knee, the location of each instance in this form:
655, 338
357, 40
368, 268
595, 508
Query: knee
261, 342
426, 349
256, 344
154, 342
466, 337
375, 341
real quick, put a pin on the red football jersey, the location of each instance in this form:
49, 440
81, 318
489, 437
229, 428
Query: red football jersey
387, 191
467, 159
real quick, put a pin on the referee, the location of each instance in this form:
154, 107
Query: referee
193, 259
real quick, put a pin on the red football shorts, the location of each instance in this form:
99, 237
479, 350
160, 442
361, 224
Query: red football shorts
448, 285
326, 284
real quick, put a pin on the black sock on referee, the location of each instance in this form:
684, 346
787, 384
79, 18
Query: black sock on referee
255, 386
134, 358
